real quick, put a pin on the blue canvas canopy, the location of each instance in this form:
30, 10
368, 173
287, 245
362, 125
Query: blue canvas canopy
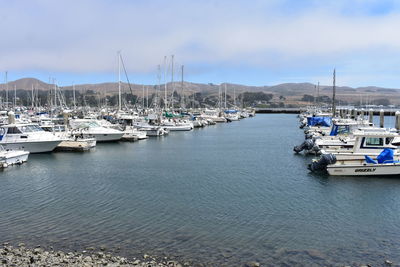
386, 156
230, 111
319, 121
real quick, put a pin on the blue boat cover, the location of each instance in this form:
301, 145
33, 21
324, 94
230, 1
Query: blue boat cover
368, 159
229, 111
386, 156
319, 121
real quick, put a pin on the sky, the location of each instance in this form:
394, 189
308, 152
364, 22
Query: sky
237, 41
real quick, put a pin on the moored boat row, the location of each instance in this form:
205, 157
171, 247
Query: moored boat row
25, 132
350, 145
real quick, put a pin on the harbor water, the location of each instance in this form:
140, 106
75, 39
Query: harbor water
220, 196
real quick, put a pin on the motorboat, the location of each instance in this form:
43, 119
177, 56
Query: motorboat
73, 140
383, 165
11, 157
91, 128
178, 125
29, 137
369, 143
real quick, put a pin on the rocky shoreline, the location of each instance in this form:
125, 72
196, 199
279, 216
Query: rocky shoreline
21, 256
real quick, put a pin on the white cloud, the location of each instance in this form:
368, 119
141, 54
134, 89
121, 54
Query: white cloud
83, 36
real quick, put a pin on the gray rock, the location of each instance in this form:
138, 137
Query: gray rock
388, 262
252, 264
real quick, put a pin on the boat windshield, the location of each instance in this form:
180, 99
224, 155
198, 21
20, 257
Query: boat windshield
88, 124
30, 128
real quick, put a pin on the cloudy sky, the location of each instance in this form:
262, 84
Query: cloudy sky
239, 41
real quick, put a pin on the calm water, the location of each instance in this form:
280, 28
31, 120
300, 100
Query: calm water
219, 196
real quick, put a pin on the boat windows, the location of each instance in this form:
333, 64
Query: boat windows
30, 128
374, 141
13, 130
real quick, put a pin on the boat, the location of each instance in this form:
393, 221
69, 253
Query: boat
29, 137
383, 165
73, 140
11, 157
132, 134
369, 143
91, 128
179, 125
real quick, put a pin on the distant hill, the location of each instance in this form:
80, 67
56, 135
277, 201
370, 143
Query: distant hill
288, 91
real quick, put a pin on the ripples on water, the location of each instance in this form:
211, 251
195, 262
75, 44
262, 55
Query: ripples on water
222, 195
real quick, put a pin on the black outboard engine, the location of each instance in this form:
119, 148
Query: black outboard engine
309, 136
320, 165
306, 145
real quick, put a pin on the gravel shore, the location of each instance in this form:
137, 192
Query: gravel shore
21, 256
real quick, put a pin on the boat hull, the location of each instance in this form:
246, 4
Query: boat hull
109, 137
33, 146
364, 170
15, 157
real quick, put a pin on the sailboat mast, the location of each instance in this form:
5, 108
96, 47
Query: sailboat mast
73, 92
334, 94
7, 89
172, 81
234, 96
225, 96
165, 83
159, 85
143, 96
119, 81
55, 93
147, 97
15, 95
33, 103
182, 94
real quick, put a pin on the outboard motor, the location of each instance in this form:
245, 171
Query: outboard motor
309, 136
306, 145
320, 165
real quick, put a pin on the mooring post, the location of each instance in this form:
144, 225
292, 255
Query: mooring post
381, 118
371, 115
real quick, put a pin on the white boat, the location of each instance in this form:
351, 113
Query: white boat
73, 140
150, 130
370, 143
171, 125
132, 134
29, 137
365, 169
11, 157
384, 165
214, 115
90, 128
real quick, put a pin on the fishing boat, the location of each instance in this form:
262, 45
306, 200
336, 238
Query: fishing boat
383, 165
369, 143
